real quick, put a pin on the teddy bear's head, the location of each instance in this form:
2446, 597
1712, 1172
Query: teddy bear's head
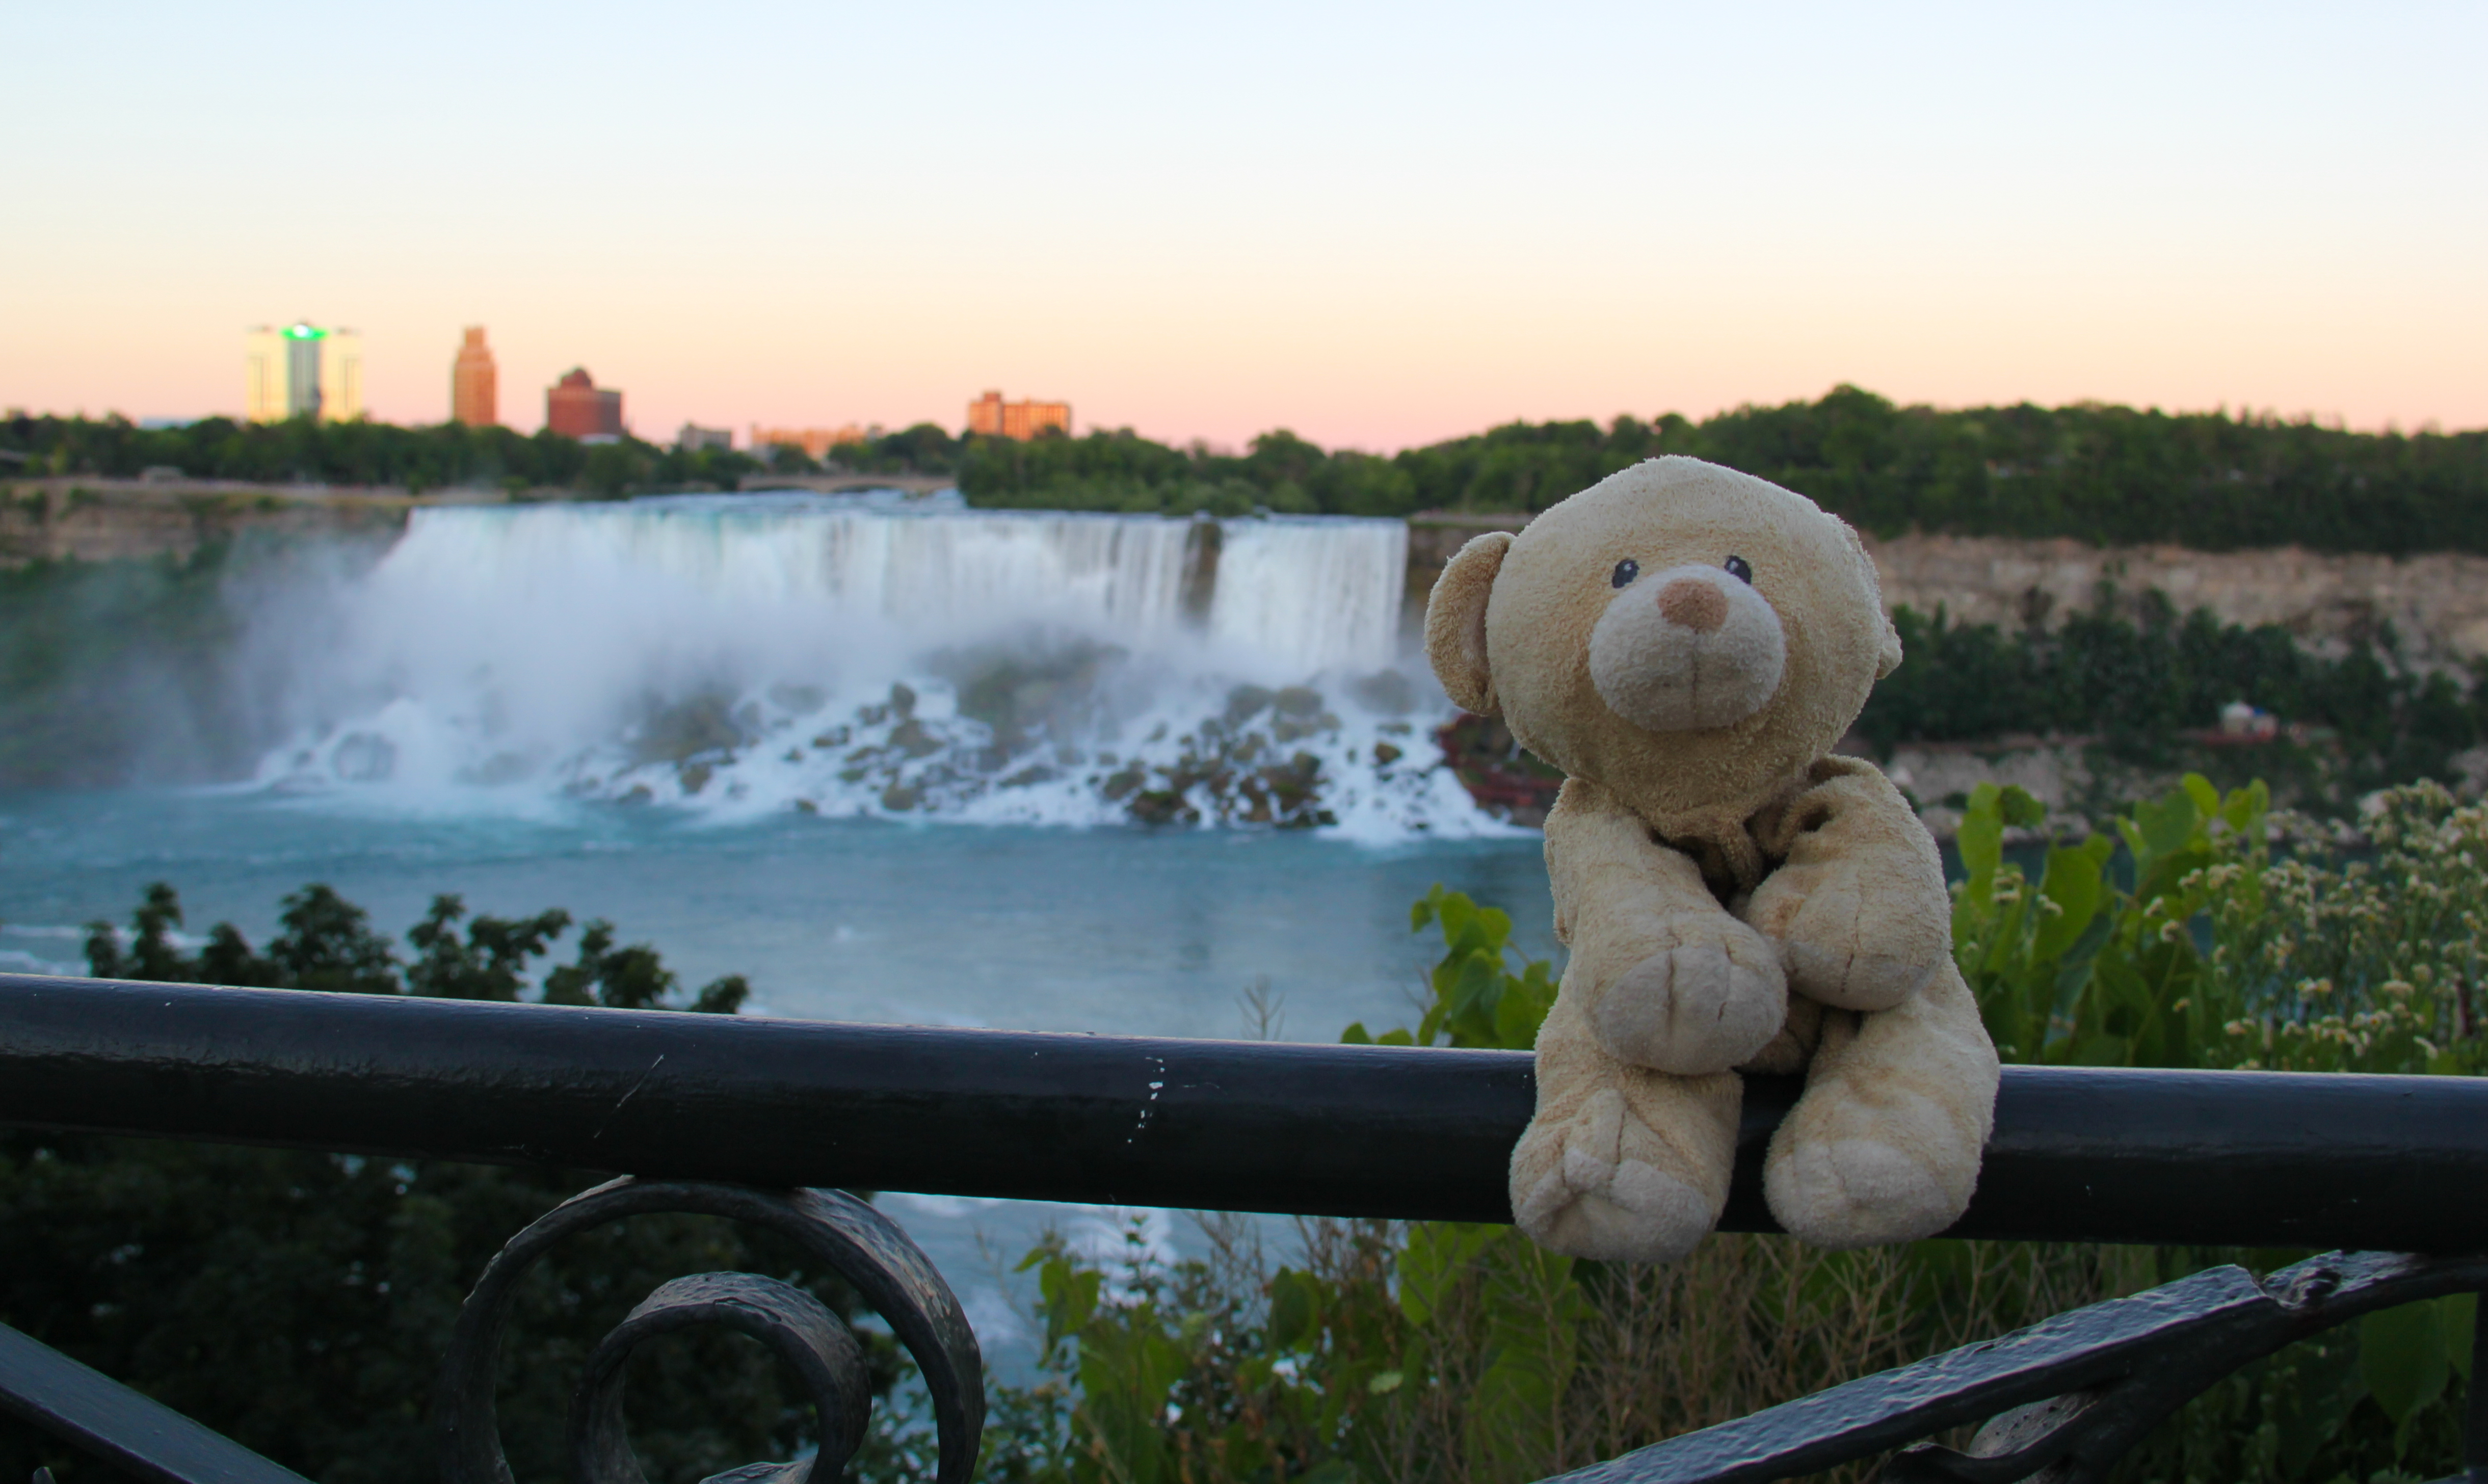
1683, 634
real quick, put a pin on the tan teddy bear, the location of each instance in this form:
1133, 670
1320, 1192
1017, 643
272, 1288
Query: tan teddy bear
1687, 643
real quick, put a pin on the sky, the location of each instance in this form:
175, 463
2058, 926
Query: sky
1374, 225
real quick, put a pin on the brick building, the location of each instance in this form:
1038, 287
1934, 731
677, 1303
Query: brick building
815, 442
474, 383
578, 408
994, 417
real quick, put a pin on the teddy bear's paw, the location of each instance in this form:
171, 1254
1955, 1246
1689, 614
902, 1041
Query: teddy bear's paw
1854, 976
1847, 944
1854, 1193
1576, 1190
1700, 1007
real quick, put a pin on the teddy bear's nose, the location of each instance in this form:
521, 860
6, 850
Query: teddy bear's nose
1696, 604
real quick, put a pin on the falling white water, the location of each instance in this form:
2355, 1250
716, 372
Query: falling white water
737, 655
1311, 594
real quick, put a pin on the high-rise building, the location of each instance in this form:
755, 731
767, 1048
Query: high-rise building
474, 383
302, 371
578, 408
995, 418
815, 442
694, 437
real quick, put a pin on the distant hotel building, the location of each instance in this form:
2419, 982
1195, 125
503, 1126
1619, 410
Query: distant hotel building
694, 437
302, 371
475, 385
815, 442
577, 408
994, 417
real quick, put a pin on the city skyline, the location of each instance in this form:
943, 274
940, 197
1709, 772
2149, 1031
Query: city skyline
1374, 229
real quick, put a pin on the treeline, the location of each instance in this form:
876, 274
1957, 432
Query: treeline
2136, 678
447, 455
326, 942
2108, 475
2102, 474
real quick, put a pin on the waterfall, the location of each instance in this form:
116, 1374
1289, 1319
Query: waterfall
845, 657
1311, 592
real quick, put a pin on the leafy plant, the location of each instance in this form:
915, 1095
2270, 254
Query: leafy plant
1477, 999
2216, 954
2078, 971
2327, 958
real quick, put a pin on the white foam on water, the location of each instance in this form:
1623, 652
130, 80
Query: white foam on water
742, 655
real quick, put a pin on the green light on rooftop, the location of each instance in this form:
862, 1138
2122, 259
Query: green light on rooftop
305, 332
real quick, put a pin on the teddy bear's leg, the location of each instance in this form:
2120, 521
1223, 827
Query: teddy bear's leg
1859, 905
1620, 1163
1664, 975
1885, 1146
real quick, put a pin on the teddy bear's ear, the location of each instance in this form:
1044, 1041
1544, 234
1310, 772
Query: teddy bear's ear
1888, 659
1456, 622
1887, 655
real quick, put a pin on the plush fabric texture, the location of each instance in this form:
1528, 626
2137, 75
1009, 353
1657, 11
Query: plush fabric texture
1687, 643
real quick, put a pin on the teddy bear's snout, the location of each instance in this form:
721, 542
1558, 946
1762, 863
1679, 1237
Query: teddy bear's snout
1688, 649
1695, 602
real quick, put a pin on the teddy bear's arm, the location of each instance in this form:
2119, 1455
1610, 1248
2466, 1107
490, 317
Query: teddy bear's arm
1664, 975
1859, 906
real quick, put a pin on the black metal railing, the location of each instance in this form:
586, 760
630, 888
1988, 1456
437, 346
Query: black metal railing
765, 1120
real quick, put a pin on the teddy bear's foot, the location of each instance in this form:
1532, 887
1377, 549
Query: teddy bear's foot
1589, 1187
1859, 1192
1697, 1007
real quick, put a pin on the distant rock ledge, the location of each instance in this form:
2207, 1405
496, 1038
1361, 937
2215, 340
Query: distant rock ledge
2437, 602
84, 518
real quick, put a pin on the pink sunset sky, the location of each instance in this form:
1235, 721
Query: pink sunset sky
1374, 225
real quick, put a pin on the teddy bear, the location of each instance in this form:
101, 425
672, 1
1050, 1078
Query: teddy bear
1687, 643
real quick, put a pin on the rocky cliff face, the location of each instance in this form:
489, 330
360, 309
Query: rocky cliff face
2438, 604
92, 519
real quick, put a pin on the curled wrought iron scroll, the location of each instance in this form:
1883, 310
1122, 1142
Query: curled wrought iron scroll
860, 1243
2063, 1400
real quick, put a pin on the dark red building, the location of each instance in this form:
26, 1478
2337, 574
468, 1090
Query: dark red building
576, 408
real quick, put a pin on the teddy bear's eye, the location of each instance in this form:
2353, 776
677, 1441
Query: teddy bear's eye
1740, 570
1626, 570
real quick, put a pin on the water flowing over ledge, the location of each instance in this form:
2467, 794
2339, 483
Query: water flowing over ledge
858, 656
